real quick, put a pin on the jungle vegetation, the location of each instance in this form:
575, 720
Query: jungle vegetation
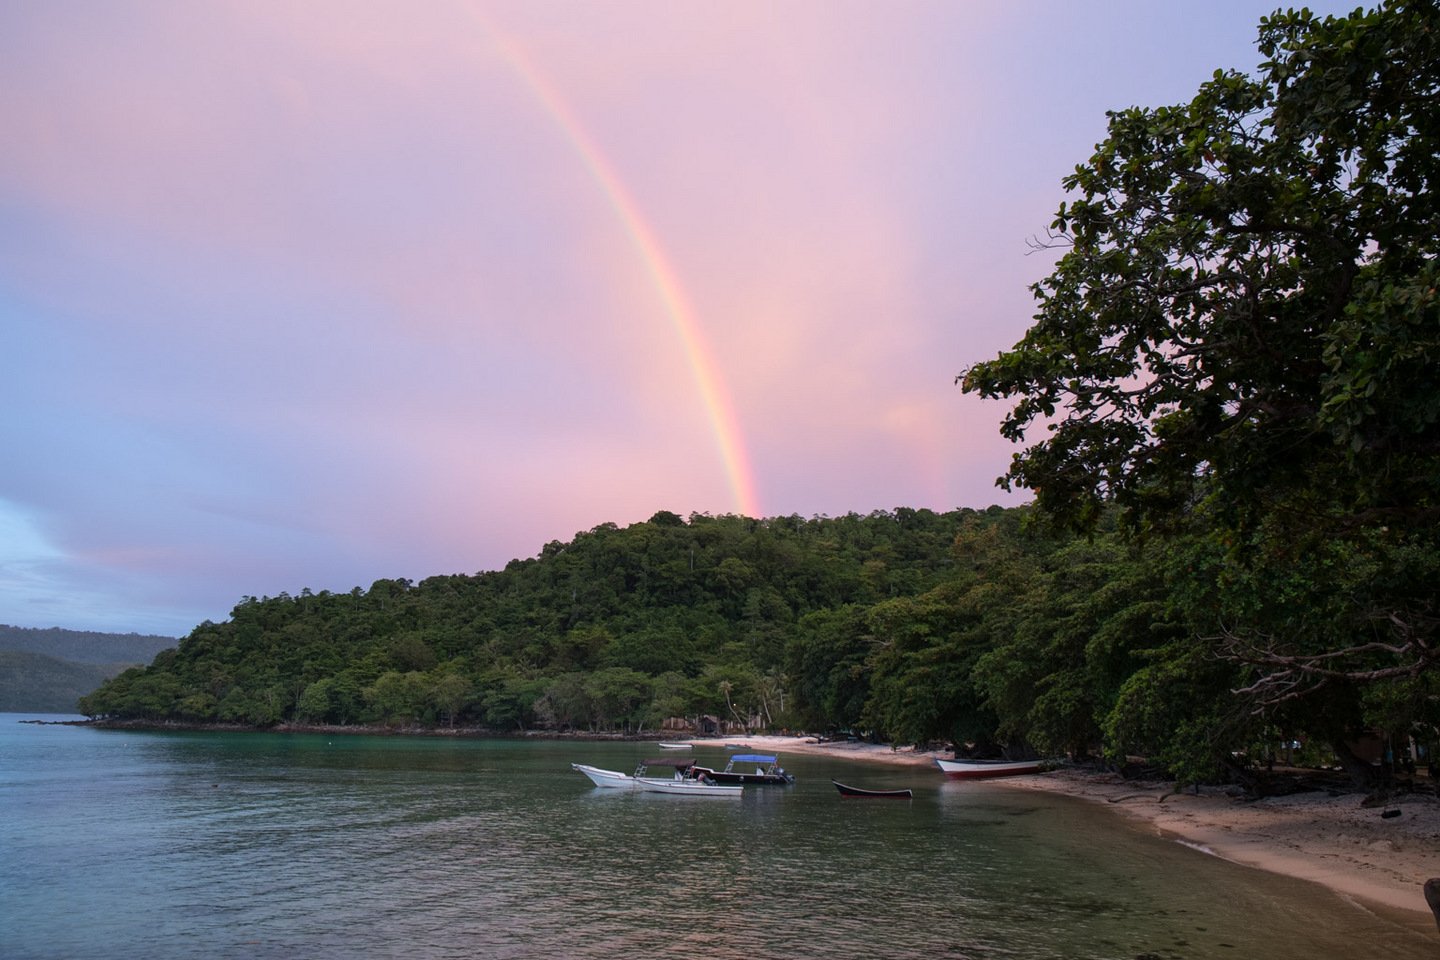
1239, 349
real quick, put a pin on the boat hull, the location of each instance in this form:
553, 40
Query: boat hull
757, 768
686, 788
862, 793
986, 769
609, 779
770, 779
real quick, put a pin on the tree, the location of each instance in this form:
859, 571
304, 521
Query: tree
509, 700
450, 691
1243, 338
567, 701
616, 693
314, 704
398, 698
825, 667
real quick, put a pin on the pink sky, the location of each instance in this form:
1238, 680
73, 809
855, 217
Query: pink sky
310, 294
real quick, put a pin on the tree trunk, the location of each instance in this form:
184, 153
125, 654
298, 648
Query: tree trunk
1362, 774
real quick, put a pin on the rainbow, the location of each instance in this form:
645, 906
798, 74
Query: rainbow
724, 421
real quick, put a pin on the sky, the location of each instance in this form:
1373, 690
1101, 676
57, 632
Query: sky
302, 294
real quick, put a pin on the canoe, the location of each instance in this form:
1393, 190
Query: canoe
976, 769
606, 778
686, 788
848, 791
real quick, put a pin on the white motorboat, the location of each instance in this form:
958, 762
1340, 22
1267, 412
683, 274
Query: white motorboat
606, 778
681, 787
614, 779
674, 746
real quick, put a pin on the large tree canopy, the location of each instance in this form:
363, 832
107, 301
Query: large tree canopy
1242, 337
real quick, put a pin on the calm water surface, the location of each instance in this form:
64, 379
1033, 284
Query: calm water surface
179, 845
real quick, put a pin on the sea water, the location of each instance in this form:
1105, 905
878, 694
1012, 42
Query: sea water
249, 845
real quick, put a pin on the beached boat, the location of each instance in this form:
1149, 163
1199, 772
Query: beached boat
976, 769
748, 768
848, 791
606, 778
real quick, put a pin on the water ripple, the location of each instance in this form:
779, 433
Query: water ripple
260, 847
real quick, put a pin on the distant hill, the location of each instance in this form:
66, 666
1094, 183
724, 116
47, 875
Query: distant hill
48, 670
35, 683
83, 646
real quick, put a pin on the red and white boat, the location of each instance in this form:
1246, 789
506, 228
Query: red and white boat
976, 769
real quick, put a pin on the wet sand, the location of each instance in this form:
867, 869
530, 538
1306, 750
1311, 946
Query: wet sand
1378, 862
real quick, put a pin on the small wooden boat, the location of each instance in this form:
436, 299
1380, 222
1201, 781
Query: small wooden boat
977, 769
848, 791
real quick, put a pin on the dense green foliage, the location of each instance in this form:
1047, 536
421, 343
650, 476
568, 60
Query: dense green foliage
910, 624
1240, 348
972, 626
619, 627
913, 626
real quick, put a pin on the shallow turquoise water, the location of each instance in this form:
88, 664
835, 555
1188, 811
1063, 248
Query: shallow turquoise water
161, 845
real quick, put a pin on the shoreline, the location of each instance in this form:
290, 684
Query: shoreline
1378, 863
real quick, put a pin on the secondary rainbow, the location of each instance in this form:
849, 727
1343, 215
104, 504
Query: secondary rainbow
721, 410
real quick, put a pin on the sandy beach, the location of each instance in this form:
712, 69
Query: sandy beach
1377, 862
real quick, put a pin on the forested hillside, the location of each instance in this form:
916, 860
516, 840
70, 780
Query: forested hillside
913, 626
618, 627
84, 646
48, 670
35, 683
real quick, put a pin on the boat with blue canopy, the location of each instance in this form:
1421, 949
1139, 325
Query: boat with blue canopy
761, 768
